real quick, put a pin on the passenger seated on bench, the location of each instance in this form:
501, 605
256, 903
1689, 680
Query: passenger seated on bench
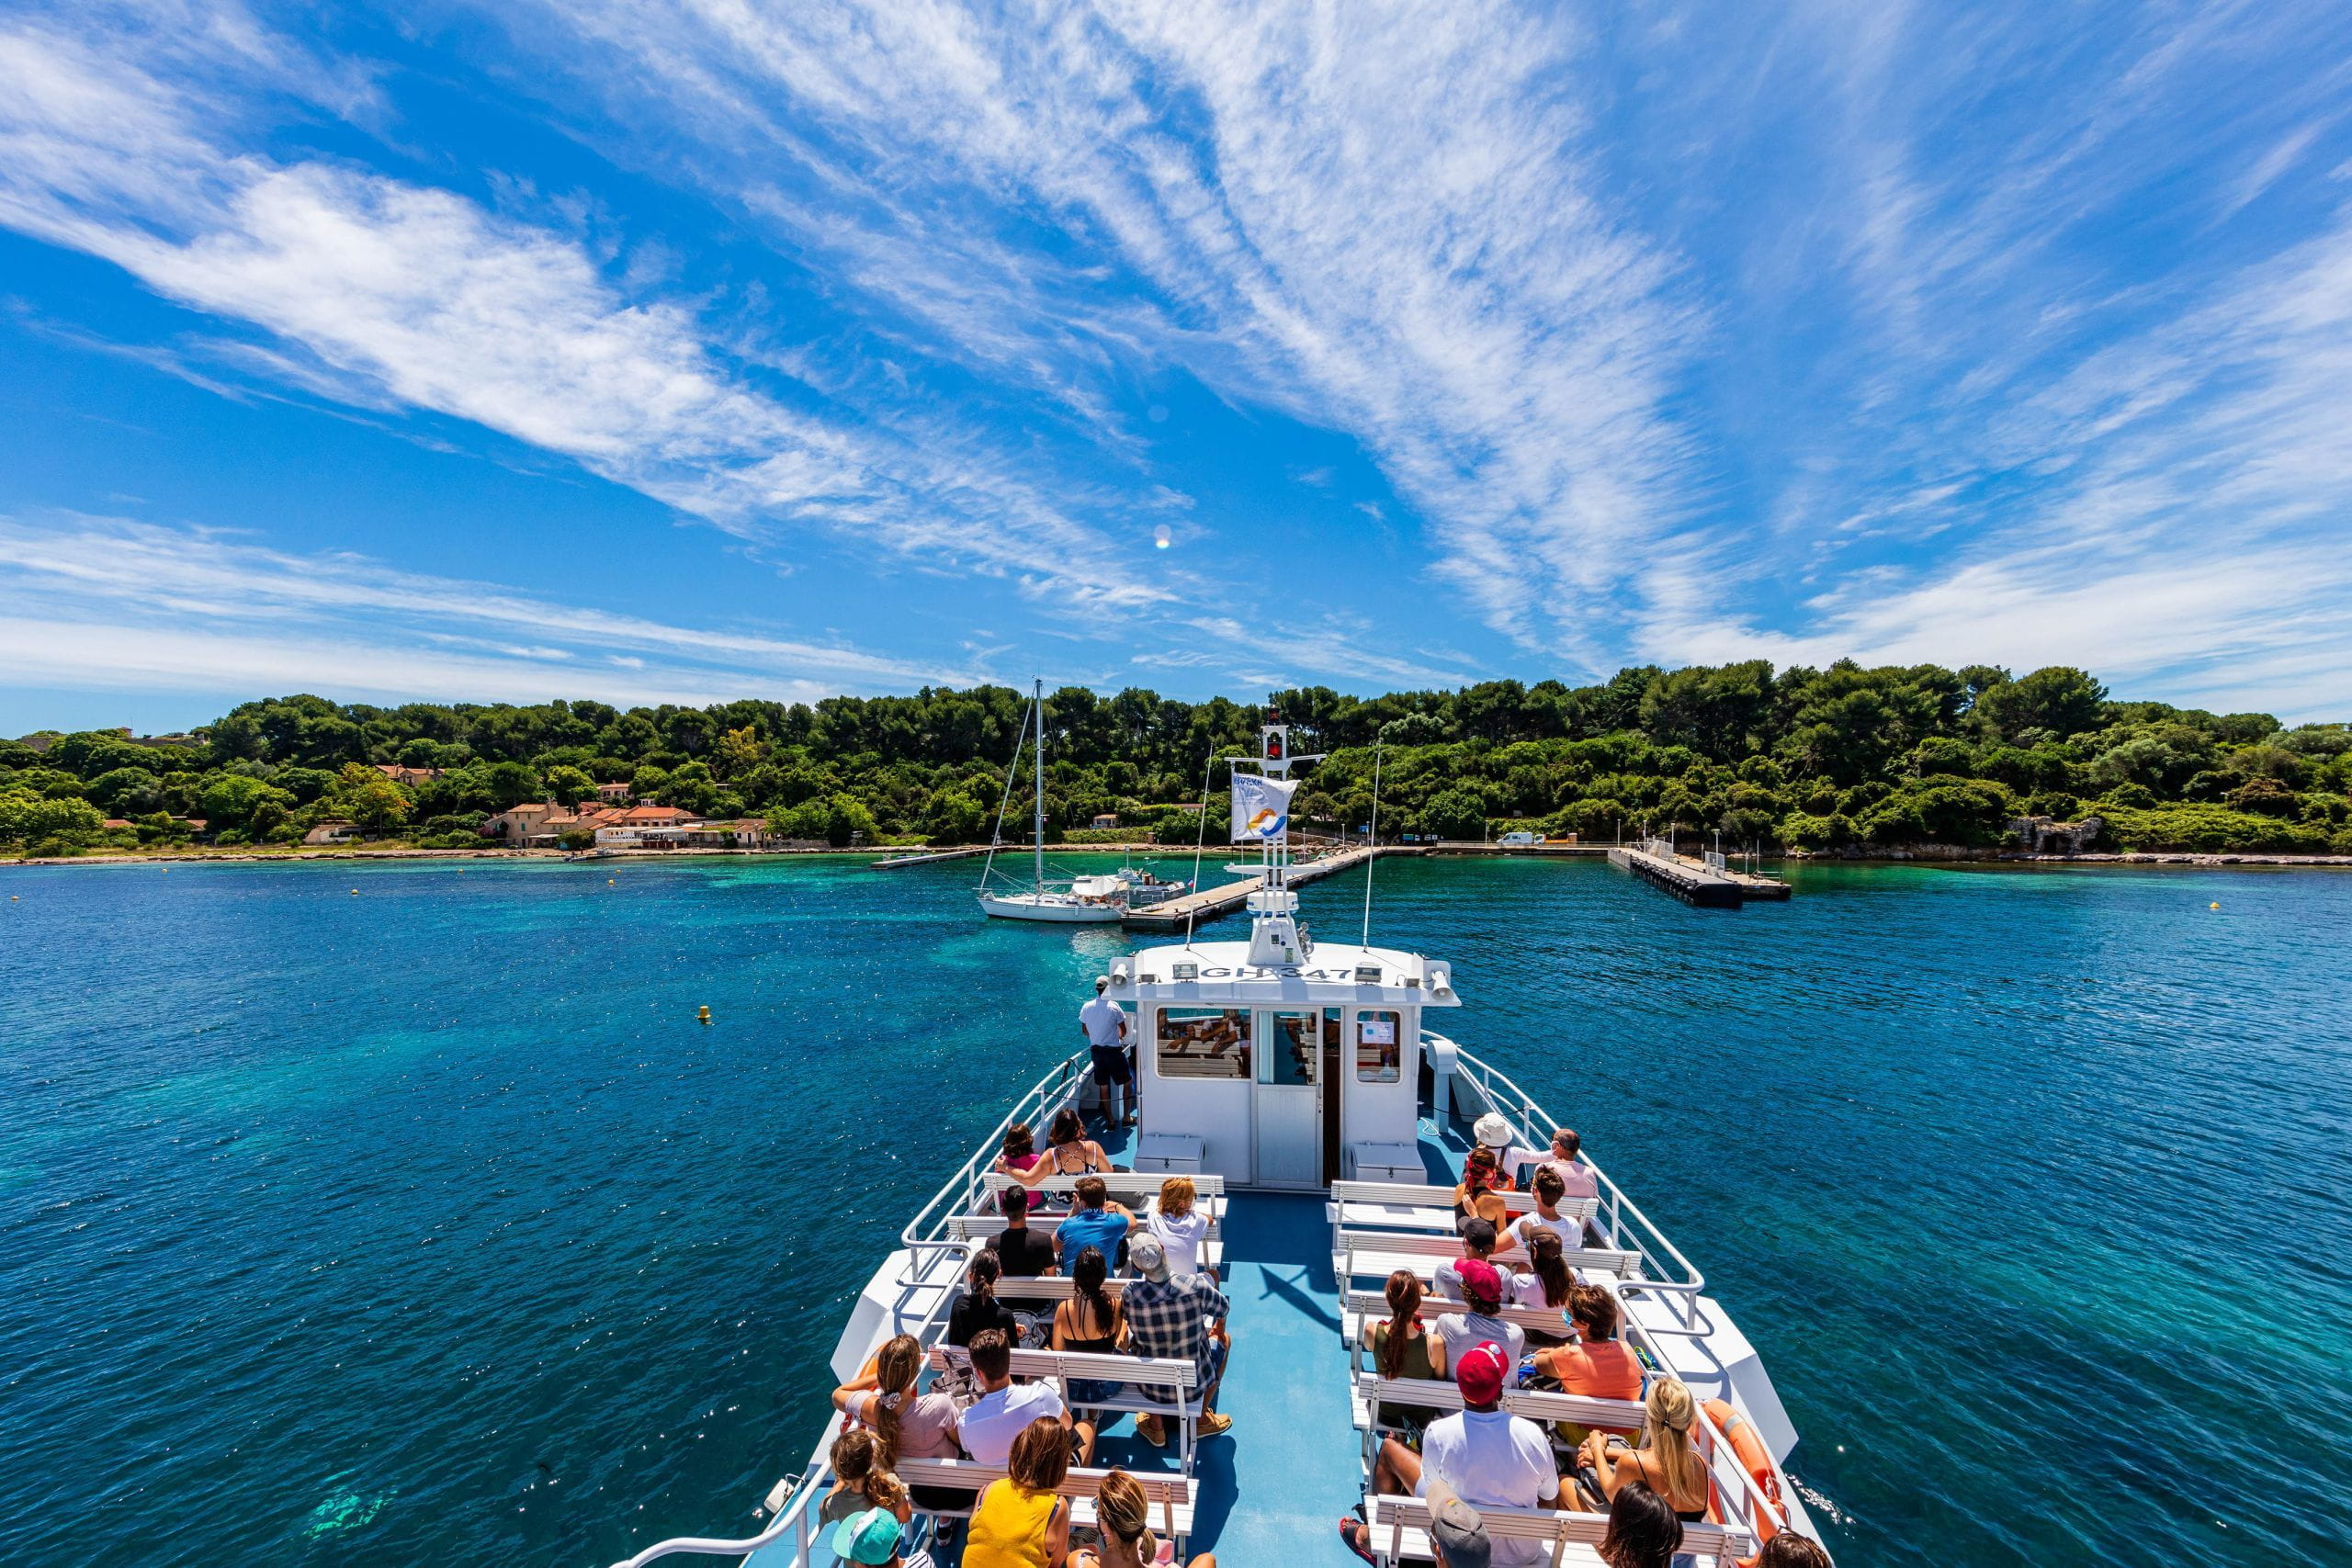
1020, 1154
1021, 1253
874, 1539
1069, 1152
1180, 1225
1096, 1222
1601, 1365
1477, 1242
1545, 1282
1789, 1550
1176, 1317
1089, 1323
1482, 1291
858, 1482
1403, 1347
1546, 1216
1020, 1522
1576, 1179
977, 1307
1479, 1194
1123, 1512
1666, 1460
1006, 1408
1643, 1531
1482, 1454
905, 1422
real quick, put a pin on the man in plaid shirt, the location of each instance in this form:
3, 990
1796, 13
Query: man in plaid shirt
1175, 1316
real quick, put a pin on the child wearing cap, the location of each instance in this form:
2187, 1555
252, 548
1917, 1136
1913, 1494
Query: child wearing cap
872, 1538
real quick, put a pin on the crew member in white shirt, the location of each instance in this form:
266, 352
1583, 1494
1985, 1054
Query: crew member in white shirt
1104, 1024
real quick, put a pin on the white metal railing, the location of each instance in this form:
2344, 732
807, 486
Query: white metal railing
1628, 1229
1665, 1270
936, 1262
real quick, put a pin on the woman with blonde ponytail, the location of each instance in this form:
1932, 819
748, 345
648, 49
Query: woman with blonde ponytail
1666, 1459
1123, 1512
905, 1423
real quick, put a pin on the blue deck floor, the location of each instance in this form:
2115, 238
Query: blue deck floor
1271, 1491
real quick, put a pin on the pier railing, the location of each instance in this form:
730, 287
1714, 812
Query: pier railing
1664, 1269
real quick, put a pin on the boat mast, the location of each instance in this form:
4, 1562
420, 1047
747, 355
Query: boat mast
1038, 701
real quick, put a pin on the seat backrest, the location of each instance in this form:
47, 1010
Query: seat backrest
1438, 1393
972, 1227
1168, 1492
1388, 1515
1446, 1249
1415, 1196
1157, 1371
1120, 1182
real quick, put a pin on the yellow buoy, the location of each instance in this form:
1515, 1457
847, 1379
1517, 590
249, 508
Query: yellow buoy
704, 1016
355, 893
608, 882
2212, 906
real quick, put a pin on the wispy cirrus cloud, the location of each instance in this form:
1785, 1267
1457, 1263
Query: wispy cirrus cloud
114, 603
1384, 219
386, 292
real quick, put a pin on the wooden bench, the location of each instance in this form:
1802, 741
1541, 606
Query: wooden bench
1400, 1531
1171, 1495
1413, 1195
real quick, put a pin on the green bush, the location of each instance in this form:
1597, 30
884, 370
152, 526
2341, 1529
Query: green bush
2210, 829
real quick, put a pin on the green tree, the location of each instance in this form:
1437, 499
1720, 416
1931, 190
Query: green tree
2057, 700
1455, 814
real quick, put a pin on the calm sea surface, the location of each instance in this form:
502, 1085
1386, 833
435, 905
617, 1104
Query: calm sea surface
423, 1225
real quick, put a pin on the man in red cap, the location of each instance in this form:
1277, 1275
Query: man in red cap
1484, 1456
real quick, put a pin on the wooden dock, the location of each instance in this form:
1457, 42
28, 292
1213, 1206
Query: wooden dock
1693, 881
1208, 903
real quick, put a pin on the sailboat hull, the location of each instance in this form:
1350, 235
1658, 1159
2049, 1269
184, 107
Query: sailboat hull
1054, 907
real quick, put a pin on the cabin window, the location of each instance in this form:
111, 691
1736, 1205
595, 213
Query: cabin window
1293, 1046
1380, 1045
1205, 1043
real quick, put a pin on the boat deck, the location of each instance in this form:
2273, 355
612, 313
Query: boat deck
1285, 1387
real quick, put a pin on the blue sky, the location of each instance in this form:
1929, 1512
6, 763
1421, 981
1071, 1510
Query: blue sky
722, 348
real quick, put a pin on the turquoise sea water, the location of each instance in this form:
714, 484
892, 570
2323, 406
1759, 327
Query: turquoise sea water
425, 1225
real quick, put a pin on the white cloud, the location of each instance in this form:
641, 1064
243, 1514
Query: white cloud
390, 293
102, 602
1379, 218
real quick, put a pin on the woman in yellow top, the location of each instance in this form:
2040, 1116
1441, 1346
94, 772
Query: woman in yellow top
1020, 1522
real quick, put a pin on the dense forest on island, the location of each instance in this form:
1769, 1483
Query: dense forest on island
1830, 759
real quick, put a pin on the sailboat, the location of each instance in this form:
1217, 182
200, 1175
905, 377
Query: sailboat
1088, 900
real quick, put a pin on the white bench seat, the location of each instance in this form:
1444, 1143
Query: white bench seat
1171, 1495
1399, 1532
1121, 1184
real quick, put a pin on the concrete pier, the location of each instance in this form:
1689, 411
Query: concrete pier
1693, 881
1208, 903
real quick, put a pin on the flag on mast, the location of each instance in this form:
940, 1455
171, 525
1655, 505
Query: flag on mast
1261, 808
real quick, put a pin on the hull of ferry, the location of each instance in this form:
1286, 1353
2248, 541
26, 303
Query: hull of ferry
1058, 908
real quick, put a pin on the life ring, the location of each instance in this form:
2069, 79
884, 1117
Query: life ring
1748, 1446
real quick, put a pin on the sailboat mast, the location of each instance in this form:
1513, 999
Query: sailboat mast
1038, 701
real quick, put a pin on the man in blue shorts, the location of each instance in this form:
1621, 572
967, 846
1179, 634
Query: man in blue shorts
1104, 1023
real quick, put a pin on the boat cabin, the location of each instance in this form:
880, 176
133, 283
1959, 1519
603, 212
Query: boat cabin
1278, 1062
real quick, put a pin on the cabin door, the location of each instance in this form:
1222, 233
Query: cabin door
1286, 1101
